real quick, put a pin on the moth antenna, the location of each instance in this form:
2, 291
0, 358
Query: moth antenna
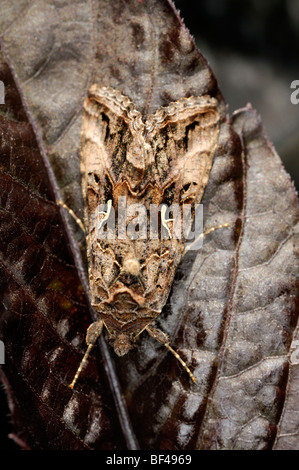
178, 357
163, 339
93, 332
72, 214
188, 247
90, 346
214, 228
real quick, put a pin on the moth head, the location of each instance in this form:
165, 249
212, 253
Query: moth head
122, 344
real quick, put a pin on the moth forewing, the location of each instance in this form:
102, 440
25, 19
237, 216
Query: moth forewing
162, 160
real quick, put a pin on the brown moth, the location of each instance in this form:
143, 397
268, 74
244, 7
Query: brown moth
163, 160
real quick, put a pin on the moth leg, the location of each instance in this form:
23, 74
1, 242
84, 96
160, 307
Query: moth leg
189, 247
72, 213
164, 339
93, 332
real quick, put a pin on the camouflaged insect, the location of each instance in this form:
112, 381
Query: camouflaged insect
164, 159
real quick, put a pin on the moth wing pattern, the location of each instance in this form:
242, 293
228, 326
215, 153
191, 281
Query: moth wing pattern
109, 125
163, 159
184, 137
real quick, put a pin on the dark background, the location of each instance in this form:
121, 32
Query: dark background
253, 49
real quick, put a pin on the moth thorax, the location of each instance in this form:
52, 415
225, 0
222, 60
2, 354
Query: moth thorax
135, 155
122, 344
131, 266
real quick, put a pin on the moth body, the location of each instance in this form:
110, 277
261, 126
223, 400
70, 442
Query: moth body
129, 165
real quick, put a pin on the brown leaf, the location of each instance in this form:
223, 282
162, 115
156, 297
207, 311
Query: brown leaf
248, 391
43, 306
231, 313
232, 310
